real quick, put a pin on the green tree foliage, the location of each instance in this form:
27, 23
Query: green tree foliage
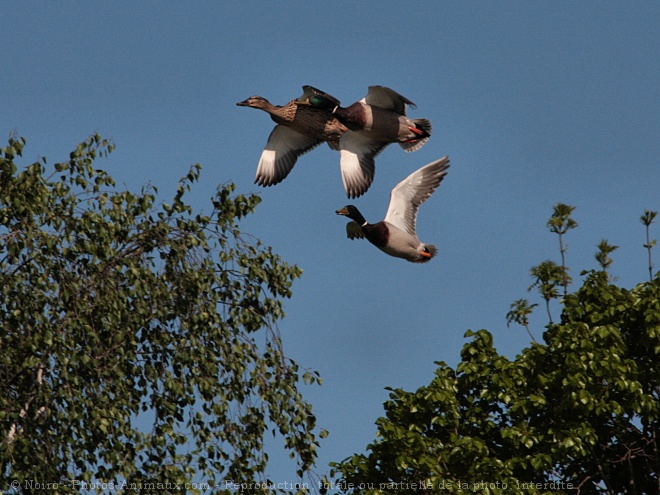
561, 222
138, 341
519, 313
647, 219
578, 414
548, 276
603, 254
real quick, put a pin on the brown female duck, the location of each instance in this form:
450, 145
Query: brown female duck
299, 129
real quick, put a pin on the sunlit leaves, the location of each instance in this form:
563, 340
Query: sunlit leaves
519, 313
603, 254
139, 339
548, 277
647, 219
561, 222
579, 413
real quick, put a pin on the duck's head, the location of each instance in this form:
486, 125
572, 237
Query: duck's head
254, 102
351, 212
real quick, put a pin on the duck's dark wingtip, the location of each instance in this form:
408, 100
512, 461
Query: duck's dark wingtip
260, 181
355, 193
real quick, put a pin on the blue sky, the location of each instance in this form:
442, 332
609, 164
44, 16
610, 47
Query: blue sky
535, 103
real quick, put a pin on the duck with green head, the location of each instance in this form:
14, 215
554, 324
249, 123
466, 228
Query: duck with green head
375, 121
396, 233
299, 129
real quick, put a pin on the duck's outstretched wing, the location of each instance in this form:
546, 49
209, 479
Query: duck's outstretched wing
354, 231
357, 154
380, 96
283, 148
411, 192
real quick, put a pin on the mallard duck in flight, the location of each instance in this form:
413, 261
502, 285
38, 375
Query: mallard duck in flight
299, 129
395, 234
374, 122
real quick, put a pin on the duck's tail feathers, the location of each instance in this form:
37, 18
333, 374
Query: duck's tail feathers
431, 251
423, 129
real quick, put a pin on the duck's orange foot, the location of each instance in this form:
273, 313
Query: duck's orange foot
425, 256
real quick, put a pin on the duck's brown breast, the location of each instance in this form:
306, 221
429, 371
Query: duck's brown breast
378, 234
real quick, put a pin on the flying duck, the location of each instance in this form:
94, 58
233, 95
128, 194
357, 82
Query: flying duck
376, 121
395, 234
299, 129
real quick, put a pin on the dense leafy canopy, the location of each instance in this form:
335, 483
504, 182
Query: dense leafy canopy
579, 413
138, 341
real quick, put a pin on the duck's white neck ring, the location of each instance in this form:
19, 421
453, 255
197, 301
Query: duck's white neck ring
335, 109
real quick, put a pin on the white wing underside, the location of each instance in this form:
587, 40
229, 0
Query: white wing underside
411, 192
357, 154
282, 150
